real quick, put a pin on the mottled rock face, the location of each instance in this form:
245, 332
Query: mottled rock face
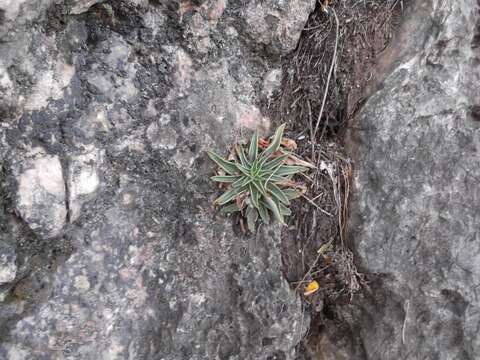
80, 6
41, 194
105, 116
8, 268
416, 203
274, 24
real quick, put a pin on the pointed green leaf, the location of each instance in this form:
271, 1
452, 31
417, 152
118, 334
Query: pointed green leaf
245, 170
226, 178
275, 144
263, 159
271, 165
246, 180
242, 156
285, 211
252, 216
290, 170
292, 193
278, 194
229, 195
231, 208
276, 178
229, 167
259, 186
262, 210
275, 210
255, 195
254, 168
242, 181
253, 149
238, 182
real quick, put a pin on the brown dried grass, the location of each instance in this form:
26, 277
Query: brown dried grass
323, 85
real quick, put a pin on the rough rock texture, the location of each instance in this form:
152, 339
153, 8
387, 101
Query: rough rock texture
416, 206
8, 268
105, 114
41, 193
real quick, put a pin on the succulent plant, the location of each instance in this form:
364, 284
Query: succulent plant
259, 181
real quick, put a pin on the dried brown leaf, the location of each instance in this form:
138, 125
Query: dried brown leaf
294, 160
232, 154
294, 184
289, 144
240, 200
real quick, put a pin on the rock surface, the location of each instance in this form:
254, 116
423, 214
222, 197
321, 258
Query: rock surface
41, 193
416, 206
8, 268
105, 115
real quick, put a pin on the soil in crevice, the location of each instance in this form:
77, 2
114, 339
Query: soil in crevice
365, 40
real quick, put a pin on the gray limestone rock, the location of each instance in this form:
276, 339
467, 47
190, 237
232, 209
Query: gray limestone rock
277, 25
83, 179
40, 197
8, 268
80, 6
105, 115
416, 206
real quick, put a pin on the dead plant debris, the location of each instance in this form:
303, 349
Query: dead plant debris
324, 81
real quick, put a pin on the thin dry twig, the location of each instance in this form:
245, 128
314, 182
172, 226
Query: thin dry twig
318, 207
332, 65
